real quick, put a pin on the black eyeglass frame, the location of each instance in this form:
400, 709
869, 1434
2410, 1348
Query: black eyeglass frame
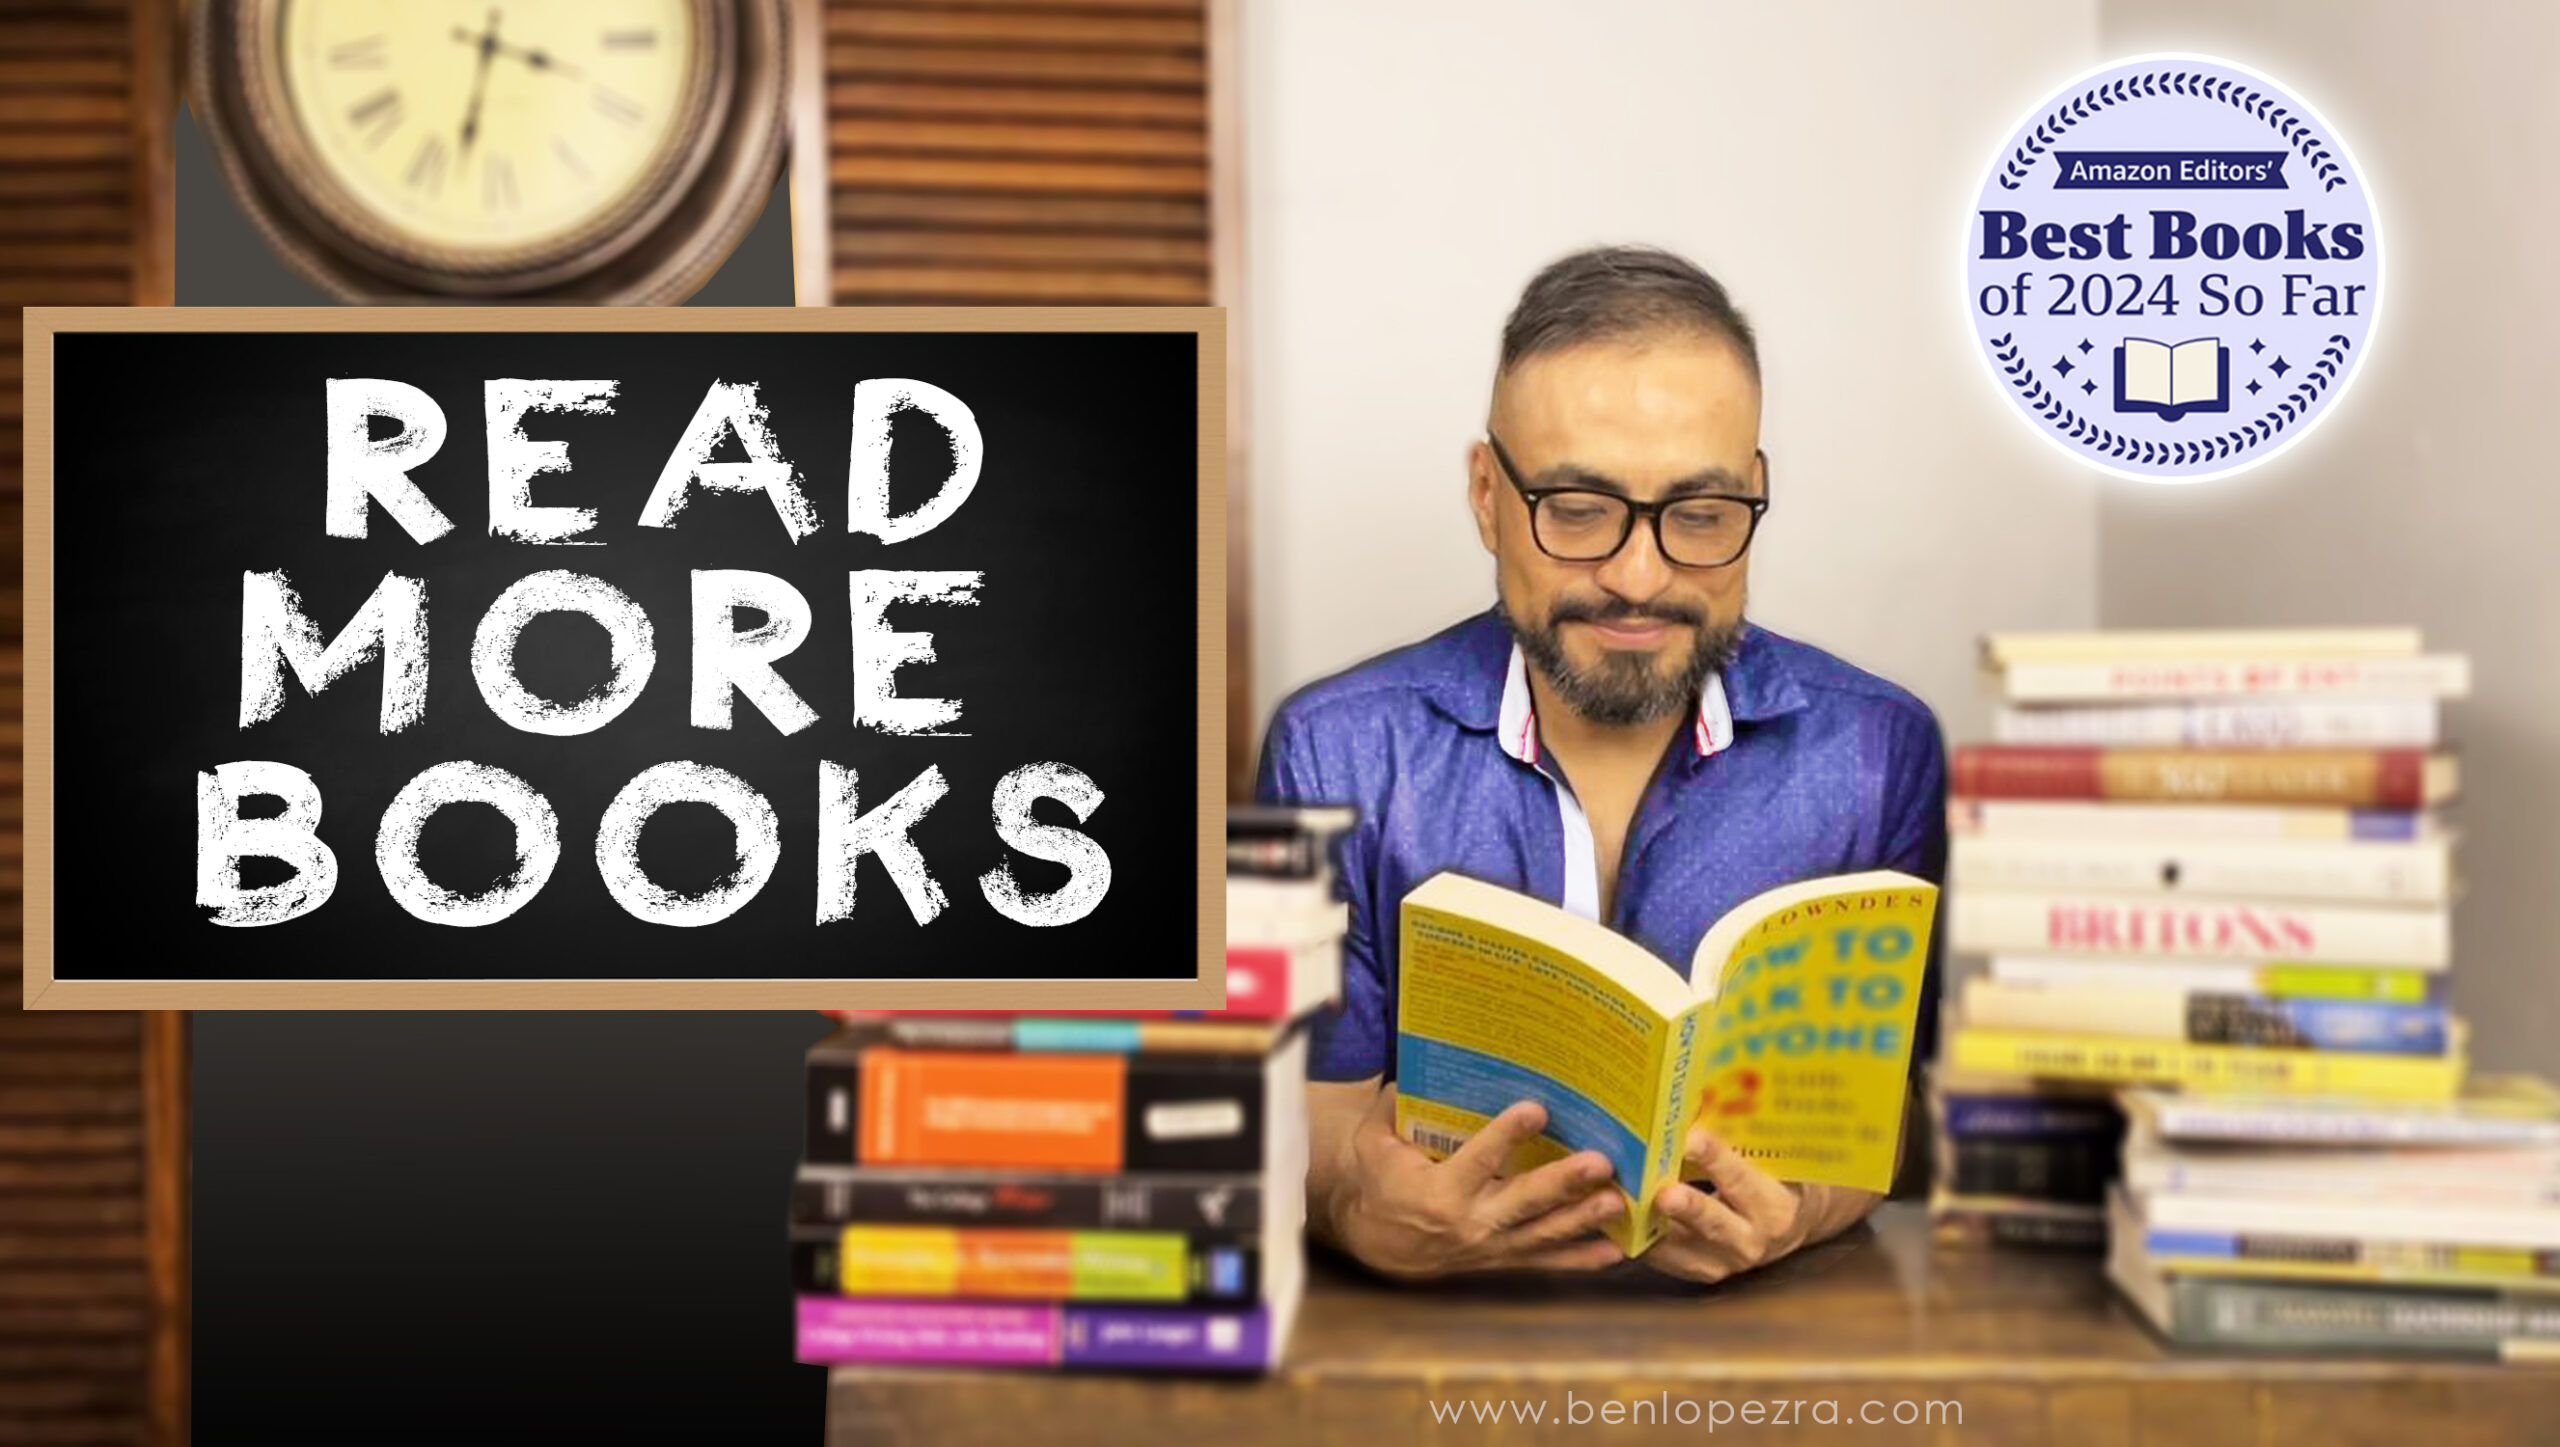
1651, 512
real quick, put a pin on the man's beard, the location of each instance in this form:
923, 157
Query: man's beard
1625, 687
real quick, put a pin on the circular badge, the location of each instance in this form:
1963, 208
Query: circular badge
2173, 268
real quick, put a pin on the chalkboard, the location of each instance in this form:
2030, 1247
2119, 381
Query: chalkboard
707, 658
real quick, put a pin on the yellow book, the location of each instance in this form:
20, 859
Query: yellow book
1790, 1038
2216, 1069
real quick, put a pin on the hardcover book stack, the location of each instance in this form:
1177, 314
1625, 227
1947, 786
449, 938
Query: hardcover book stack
1079, 1191
2202, 860
2331, 1226
2021, 1162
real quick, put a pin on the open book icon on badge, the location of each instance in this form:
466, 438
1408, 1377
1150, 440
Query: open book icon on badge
2173, 381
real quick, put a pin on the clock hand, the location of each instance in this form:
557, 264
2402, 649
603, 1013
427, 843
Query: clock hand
534, 56
488, 48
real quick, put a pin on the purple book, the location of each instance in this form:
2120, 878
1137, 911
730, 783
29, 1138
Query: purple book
971, 1333
1169, 1338
854, 1331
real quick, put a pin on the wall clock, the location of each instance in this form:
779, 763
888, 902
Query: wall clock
497, 150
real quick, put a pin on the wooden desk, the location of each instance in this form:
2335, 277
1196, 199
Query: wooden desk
2034, 1346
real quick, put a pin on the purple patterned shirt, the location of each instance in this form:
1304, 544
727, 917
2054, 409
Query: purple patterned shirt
1798, 765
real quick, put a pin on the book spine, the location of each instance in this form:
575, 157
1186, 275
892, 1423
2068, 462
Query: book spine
1014, 1263
1170, 1339
1058, 1202
2029, 1116
1284, 856
1094, 1113
2267, 1316
2370, 778
2230, 1068
839, 1331
847, 1331
2076, 1171
2350, 1258
2213, 1019
1074, 1035
2067, 1228
2412, 873
2299, 723
1990, 922
2120, 645
2181, 822
2236, 1122
2060, 681
2457, 1180
2225, 977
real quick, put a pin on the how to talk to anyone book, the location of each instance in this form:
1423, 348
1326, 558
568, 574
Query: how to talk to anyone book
1791, 1037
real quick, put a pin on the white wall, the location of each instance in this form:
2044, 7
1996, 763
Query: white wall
1409, 165
2429, 496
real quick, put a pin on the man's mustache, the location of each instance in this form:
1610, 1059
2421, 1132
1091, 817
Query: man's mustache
1618, 610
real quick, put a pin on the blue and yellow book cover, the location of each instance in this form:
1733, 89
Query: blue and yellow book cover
1790, 1037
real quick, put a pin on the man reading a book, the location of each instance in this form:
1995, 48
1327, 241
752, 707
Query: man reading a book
1612, 736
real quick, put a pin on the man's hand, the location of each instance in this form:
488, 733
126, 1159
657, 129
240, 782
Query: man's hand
1387, 1202
1751, 1219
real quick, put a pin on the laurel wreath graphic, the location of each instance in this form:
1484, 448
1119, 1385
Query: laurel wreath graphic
2109, 443
2172, 82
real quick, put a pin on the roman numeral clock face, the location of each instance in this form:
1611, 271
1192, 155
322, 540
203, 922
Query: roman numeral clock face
463, 133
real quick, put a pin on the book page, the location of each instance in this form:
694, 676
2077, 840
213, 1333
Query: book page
1807, 1056
1487, 1018
2196, 371
2146, 371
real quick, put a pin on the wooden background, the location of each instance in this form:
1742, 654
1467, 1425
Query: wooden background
1054, 152
93, 1153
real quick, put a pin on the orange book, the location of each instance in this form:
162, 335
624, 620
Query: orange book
958, 1108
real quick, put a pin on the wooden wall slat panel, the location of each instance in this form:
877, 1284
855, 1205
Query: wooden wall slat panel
1175, 30
1034, 152
88, 1307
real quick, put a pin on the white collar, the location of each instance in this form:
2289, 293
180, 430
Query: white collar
1711, 733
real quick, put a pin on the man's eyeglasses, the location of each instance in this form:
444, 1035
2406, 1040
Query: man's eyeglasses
1585, 525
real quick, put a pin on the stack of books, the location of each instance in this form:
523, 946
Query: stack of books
2331, 1226
2202, 860
2021, 1162
1079, 1191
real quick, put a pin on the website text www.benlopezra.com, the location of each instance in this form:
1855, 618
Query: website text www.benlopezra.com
1710, 1413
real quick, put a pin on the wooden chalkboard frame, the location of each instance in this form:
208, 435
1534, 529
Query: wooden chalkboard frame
1205, 990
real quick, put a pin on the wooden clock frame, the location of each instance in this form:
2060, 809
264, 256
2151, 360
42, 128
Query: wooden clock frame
657, 246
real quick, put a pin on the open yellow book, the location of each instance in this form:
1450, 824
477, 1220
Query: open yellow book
1791, 1037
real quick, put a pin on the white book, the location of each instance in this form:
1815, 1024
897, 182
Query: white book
2431, 675
2511, 1179
2297, 723
2493, 1110
2092, 819
1999, 649
2413, 1218
1993, 922
2420, 872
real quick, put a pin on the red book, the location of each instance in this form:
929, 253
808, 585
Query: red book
2362, 778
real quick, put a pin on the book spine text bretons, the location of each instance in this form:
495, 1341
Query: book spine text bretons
1985, 922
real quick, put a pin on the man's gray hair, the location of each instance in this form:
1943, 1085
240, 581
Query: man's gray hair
1610, 292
